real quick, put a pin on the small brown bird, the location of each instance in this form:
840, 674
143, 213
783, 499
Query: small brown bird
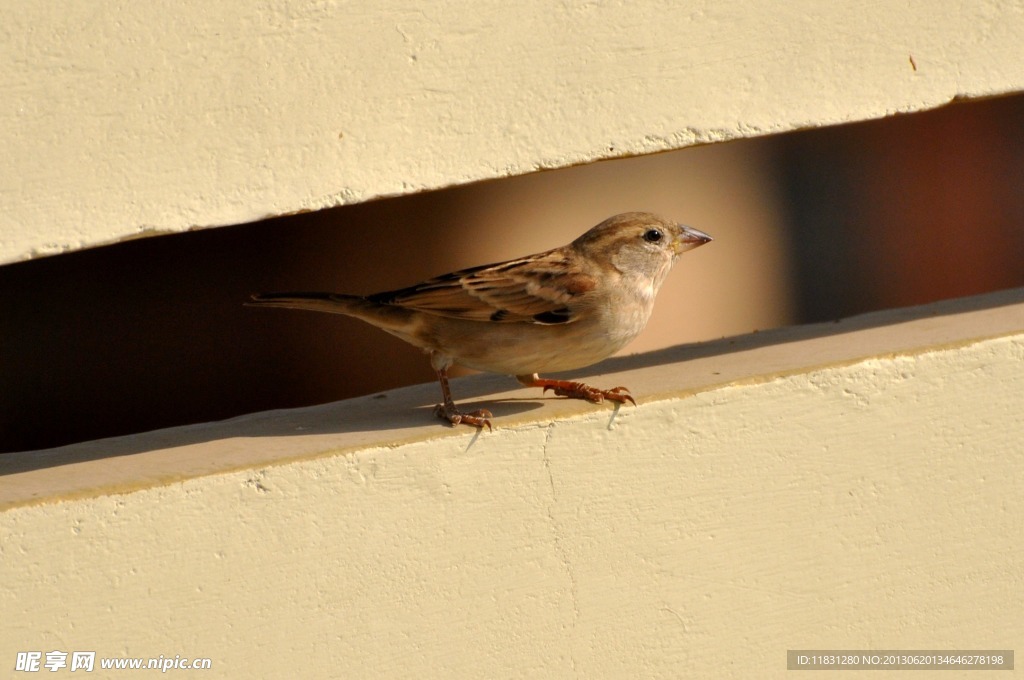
554, 311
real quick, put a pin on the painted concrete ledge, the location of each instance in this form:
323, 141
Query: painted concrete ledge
131, 119
849, 485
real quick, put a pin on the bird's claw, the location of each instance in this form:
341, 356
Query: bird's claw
454, 416
578, 390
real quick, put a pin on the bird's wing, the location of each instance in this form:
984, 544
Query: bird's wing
535, 289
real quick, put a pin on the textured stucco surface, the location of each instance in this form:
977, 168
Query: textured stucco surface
866, 492
839, 487
121, 120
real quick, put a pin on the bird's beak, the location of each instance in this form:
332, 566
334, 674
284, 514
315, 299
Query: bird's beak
689, 238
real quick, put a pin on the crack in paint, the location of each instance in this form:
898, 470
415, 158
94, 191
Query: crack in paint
563, 554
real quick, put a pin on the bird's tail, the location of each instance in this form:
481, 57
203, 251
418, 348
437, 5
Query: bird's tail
391, 318
335, 303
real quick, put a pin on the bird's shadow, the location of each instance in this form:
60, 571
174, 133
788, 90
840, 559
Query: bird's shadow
411, 408
405, 409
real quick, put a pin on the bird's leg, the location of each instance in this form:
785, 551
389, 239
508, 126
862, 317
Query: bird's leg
448, 411
577, 390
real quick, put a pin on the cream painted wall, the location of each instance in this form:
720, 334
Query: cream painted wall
853, 485
122, 120
818, 487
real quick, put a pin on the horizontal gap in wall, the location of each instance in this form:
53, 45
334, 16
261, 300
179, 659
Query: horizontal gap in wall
808, 226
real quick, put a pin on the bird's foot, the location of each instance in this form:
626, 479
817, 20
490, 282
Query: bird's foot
454, 416
578, 390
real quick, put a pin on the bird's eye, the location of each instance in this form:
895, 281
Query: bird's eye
653, 235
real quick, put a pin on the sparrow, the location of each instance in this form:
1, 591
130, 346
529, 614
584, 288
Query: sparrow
555, 311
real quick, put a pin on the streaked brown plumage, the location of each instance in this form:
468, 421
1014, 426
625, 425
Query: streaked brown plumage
554, 311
